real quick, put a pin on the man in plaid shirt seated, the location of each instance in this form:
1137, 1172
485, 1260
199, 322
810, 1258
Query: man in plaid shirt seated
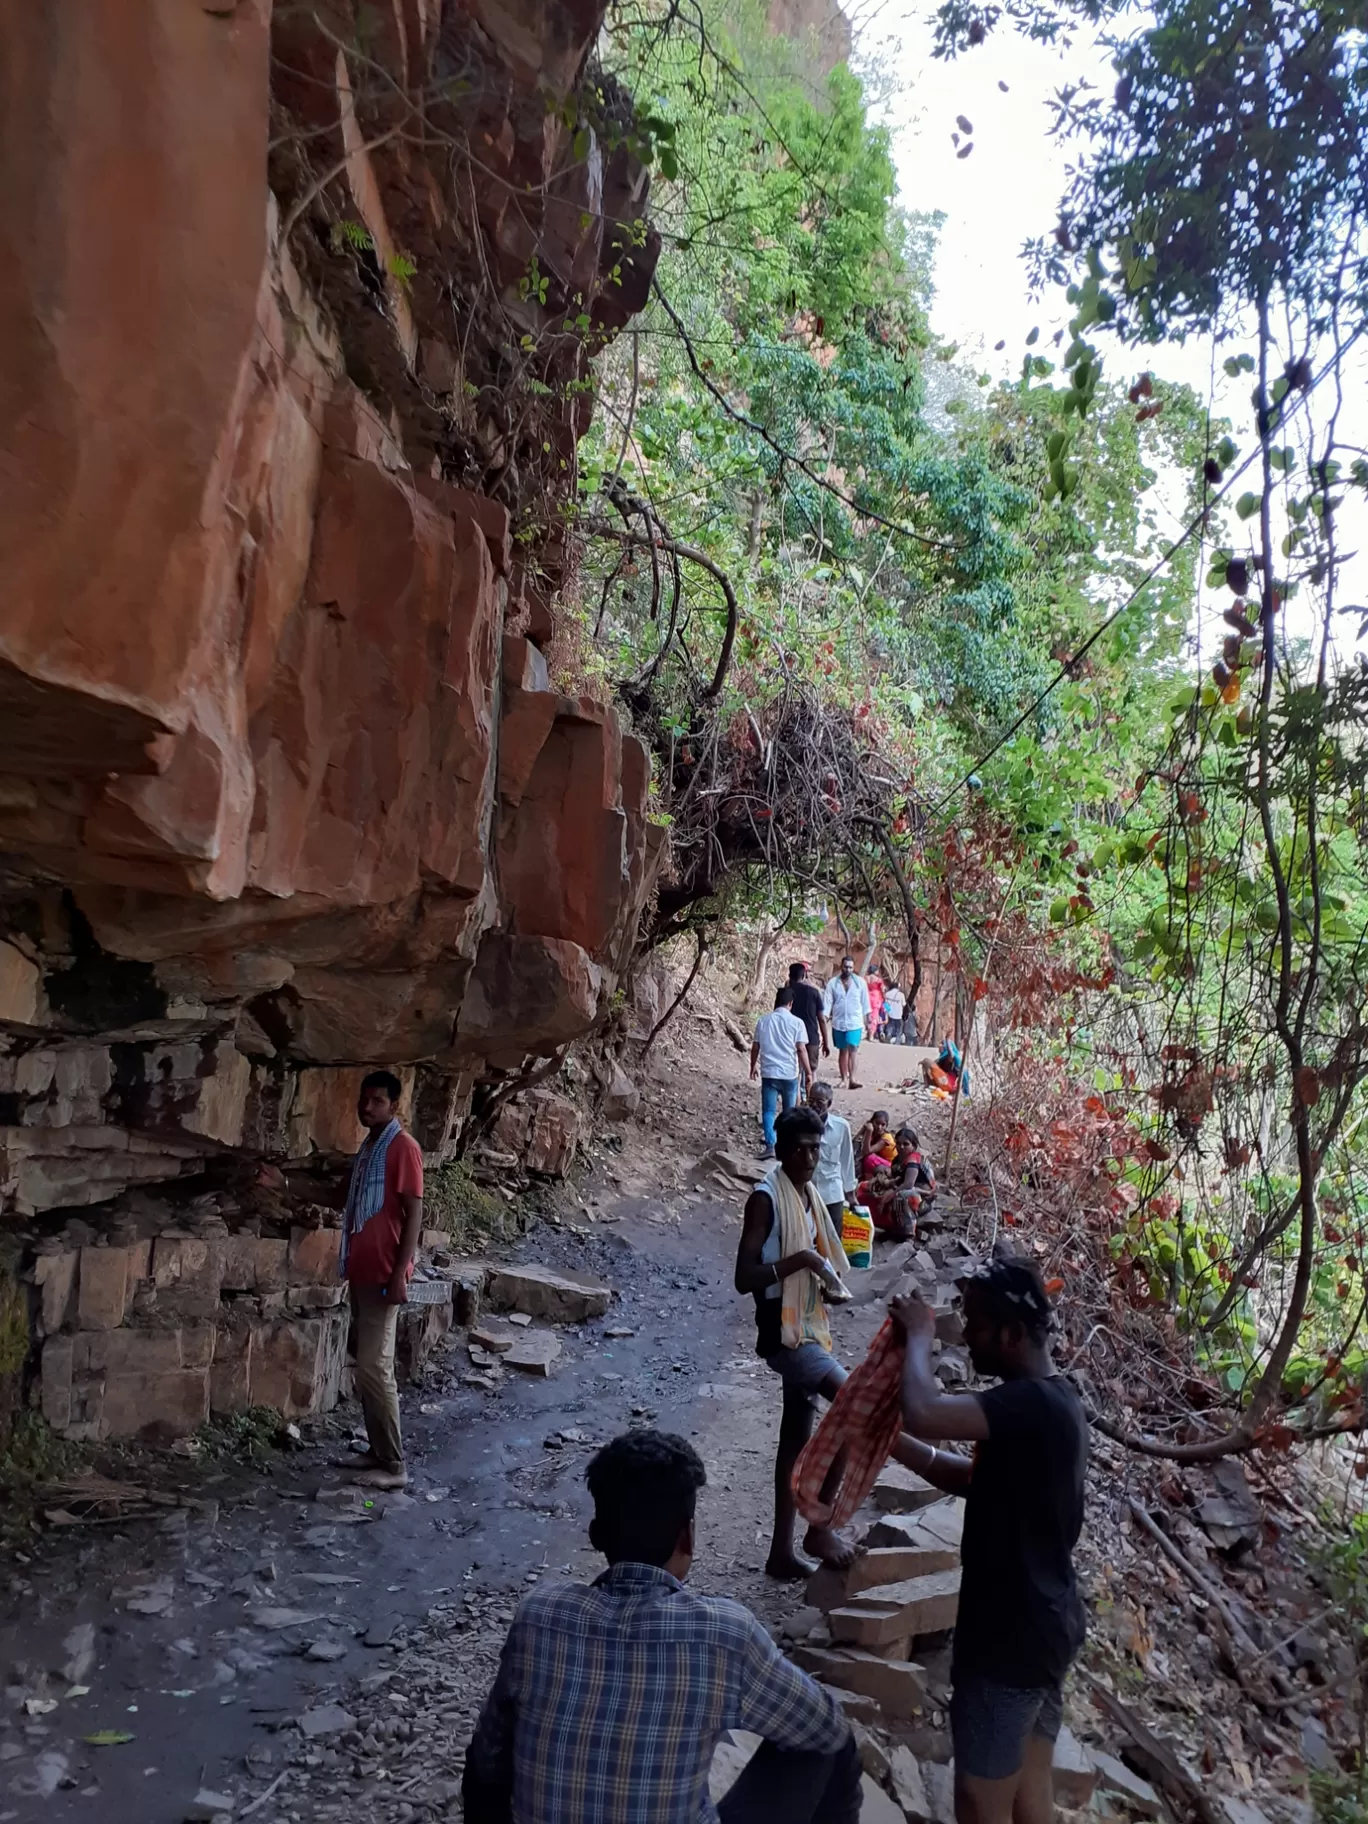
611, 1696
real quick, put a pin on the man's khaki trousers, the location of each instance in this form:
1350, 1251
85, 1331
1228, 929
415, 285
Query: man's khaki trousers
377, 1323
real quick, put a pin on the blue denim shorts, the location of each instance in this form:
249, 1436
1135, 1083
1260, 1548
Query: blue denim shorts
805, 1368
990, 1724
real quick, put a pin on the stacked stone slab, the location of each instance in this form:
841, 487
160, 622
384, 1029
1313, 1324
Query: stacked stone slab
889, 1598
902, 1587
157, 1335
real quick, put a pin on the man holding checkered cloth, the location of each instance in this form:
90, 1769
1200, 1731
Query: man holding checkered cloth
1021, 1621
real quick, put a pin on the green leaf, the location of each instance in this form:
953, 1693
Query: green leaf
108, 1738
1033, 338
1247, 506
1059, 911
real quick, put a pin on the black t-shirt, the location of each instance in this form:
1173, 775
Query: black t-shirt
807, 1006
1020, 1615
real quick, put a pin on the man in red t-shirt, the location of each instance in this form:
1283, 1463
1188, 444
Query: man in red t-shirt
380, 1234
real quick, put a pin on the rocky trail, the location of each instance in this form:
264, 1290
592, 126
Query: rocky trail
280, 1645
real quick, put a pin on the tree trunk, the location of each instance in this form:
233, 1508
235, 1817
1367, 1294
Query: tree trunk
762, 955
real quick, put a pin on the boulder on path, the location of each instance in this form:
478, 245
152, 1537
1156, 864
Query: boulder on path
744, 1171
560, 1297
533, 1353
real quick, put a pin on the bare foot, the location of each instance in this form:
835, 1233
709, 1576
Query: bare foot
855, 1085
386, 1479
832, 1548
790, 1567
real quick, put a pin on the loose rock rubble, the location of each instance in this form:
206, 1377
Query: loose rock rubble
340, 1620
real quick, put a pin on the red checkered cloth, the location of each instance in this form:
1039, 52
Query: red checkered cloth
864, 1421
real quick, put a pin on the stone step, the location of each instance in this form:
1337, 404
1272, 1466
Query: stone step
899, 1611
941, 1525
897, 1686
901, 1491
828, 1589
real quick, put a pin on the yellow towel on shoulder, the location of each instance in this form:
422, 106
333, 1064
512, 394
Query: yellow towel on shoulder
803, 1314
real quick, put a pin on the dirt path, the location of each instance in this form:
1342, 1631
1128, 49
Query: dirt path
399, 1609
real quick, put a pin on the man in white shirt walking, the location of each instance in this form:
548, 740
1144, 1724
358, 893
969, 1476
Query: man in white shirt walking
895, 1004
834, 1180
846, 1004
779, 1057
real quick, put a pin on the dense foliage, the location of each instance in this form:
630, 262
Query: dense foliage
939, 653
899, 563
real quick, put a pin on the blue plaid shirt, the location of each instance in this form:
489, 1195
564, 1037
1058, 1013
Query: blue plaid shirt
611, 1697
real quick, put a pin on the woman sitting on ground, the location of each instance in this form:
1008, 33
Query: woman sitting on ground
945, 1073
885, 1203
874, 1137
917, 1174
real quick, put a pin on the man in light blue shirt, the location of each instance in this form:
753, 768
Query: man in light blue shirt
846, 1005
779, 1057
834, 1181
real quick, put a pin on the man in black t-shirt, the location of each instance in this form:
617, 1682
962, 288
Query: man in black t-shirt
1020, 1622
808, 1007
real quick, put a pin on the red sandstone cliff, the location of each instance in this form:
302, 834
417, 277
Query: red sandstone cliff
297, 330
820, 23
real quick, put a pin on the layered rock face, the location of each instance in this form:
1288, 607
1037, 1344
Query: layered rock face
299, 313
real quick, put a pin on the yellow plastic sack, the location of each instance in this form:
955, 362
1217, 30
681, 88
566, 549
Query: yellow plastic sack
857, 1235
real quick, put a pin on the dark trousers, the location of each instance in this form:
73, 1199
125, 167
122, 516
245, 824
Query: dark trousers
781, 1786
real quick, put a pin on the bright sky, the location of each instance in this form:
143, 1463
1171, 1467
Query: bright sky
1006, 192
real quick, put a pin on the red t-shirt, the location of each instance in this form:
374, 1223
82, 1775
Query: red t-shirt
374, 1249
